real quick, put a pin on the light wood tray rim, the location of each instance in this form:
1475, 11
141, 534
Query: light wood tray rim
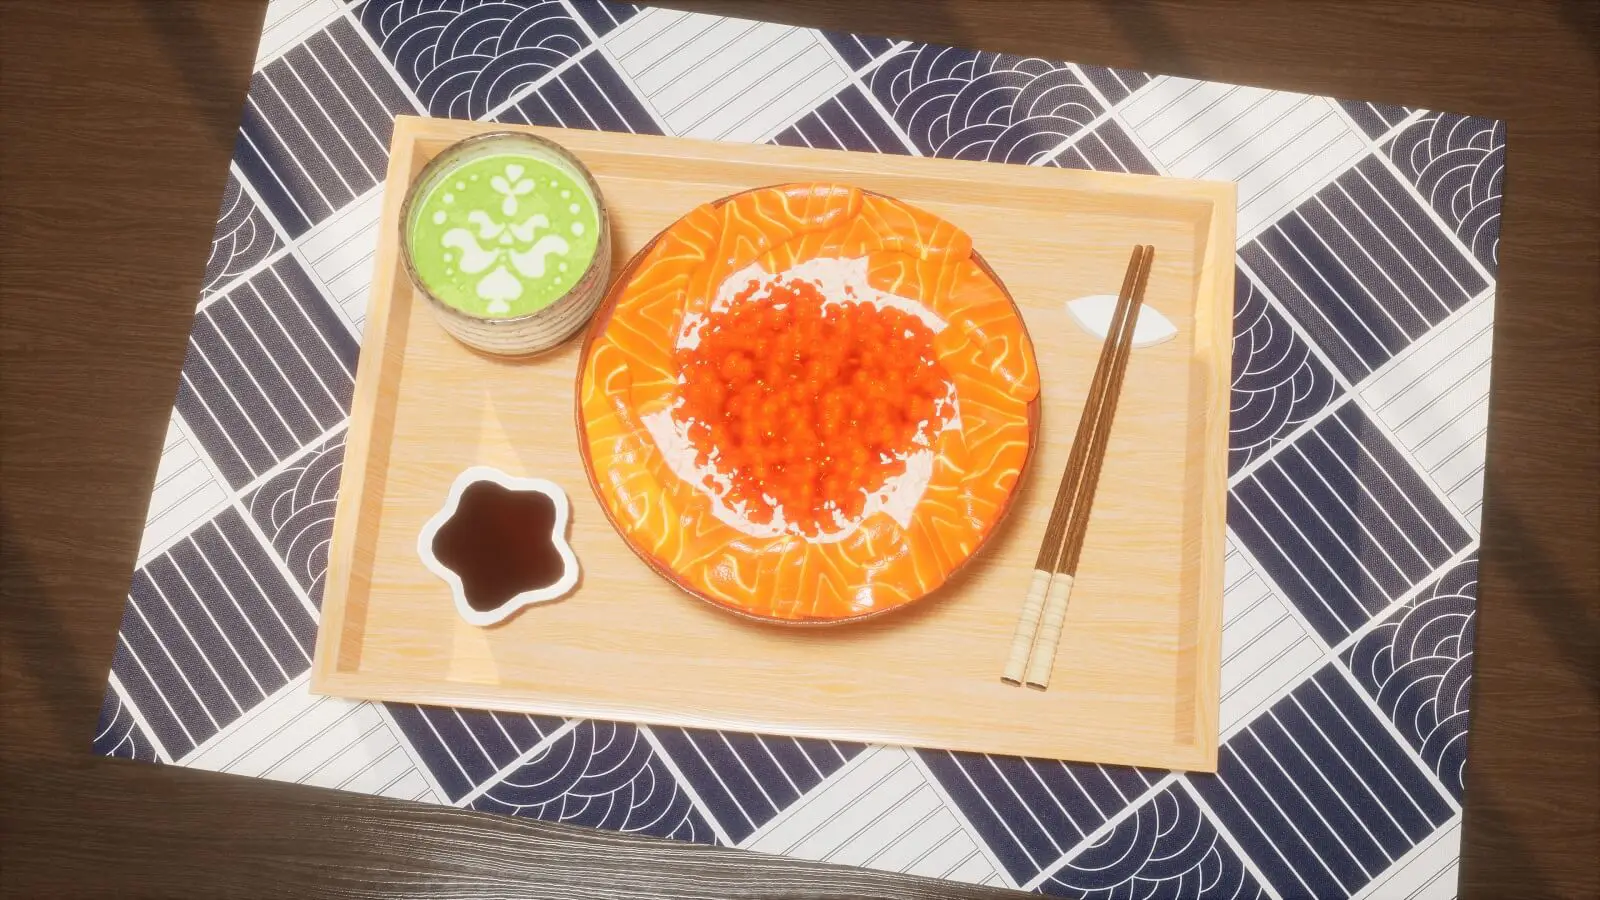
344, 636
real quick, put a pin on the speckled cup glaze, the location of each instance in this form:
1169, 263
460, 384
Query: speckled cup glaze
533, 332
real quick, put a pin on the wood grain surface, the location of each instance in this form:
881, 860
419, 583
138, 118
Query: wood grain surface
119, 119
1146, 625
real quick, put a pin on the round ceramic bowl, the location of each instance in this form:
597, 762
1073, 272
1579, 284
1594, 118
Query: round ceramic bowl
597, 481
542, 329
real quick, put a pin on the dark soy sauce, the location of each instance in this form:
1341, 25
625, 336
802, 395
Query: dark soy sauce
501, 542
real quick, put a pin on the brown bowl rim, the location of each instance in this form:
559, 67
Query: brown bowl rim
602, 214
597, 324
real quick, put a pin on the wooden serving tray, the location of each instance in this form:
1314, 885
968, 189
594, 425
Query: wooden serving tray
1136, 681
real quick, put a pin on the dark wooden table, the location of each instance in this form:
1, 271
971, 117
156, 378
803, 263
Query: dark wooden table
119, 119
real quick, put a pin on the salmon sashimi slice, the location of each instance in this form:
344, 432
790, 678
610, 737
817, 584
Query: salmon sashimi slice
888, 224
693, 530
980, 311
650, 309
827, 243
619, 445
630, 371
840, 581
654, 299
743, 574
918, 571
647, 311
924, 280
986, 410
756, 222
943, 522
700, 534
685, 245
993, 356
794, 592
876, 545
685, 248
808, 583
605, 388
652, 369
807, 207
877, 567
616, 433
998, 438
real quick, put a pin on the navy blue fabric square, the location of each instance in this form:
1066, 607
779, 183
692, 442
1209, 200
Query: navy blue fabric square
964, 104
602, 775
1459, 164
463, 60
294, 509
845, 121
1375, 118
604, 17
270, 368
210, 630
747, 779
243, 239
590, 94
1116, 85
316, 127
1167, 848
858, 50
1031, 812
1417, 666
465, 748
1107, 148
118, 733
1363, 268
1278, 383
1342, 523
1319, 794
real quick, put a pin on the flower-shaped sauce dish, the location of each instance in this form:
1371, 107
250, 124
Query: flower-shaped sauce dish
500, 543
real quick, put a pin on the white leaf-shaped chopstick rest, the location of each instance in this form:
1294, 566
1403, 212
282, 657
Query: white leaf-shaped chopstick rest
1093, 314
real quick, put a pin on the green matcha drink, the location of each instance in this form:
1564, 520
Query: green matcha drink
503, 235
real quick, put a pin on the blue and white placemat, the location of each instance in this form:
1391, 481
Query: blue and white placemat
1365, 294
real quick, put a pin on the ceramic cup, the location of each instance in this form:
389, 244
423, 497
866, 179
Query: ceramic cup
504, 334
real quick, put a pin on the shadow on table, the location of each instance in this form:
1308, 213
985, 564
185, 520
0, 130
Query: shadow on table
38, 651
1558, 603
200, 63
1488, 815
1584, 18
1160, 49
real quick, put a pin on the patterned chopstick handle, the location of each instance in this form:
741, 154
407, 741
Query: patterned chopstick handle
1043, 658
1027, 627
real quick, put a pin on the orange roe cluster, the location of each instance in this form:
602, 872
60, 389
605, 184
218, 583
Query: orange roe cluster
807, 405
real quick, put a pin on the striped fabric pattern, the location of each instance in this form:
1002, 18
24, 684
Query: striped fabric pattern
1320, 796
269, 369
316, 127
747, 779
1364, 313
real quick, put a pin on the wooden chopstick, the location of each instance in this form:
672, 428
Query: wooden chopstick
1050, 549
1042, 659
1048, 591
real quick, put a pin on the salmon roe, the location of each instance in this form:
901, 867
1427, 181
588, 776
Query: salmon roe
809, 408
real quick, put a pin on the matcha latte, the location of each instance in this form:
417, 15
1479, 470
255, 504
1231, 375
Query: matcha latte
504, 232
